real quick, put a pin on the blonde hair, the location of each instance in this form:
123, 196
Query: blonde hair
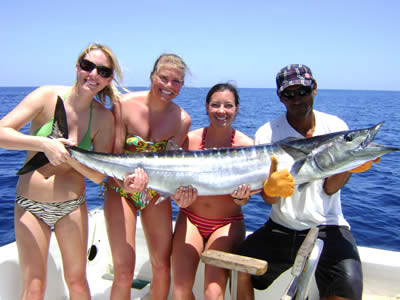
110, 90
173, 59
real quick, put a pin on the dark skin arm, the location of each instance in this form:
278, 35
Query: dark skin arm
268, 199
334, 183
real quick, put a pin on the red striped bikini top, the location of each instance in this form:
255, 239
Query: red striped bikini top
203, 139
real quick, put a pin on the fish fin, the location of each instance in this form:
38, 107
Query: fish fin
287, 140
173, 146
295, 152
297, 166
60, 124
303, 186
59, 130
37, 161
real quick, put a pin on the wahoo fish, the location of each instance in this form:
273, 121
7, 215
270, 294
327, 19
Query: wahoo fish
219, 171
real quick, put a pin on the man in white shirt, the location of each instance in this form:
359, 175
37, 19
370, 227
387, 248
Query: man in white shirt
339, 274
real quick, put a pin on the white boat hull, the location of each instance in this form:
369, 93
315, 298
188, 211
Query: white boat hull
381, 269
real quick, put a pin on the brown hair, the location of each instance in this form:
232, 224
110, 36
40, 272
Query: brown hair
169, 58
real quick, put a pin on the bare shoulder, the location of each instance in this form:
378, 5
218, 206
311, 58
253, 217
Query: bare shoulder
196, 133
242, 139
136, 97
37, 107
44, 97
184, 117
195, 137
45, 92
133, 103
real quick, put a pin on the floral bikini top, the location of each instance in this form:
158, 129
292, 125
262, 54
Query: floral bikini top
134, 143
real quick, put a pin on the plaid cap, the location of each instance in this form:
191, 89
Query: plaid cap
292, 75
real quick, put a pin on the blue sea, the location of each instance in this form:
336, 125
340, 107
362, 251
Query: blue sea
370, 200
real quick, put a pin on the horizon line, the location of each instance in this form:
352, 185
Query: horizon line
195, 87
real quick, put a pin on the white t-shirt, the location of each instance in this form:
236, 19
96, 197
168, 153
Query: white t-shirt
311, 207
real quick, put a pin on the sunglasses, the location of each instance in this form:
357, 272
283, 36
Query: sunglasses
301, 92
88, 66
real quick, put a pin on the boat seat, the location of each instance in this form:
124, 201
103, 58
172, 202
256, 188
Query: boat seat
303, 269
235, 263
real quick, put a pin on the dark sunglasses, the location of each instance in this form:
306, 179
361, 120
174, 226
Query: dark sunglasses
88, 66
301, 92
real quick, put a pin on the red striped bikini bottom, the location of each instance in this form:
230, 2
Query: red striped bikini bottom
208, 226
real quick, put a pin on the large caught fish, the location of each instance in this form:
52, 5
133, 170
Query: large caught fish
220, 171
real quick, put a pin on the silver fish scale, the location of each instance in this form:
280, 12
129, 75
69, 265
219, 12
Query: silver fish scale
206, 172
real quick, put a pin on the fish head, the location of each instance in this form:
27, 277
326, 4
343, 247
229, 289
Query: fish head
348, 149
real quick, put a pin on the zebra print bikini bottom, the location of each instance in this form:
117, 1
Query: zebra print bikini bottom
49, 212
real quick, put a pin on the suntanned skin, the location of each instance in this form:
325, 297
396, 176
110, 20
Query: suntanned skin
60, 180
188, 242
154, 117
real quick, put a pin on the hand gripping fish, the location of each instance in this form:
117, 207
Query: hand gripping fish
219, 171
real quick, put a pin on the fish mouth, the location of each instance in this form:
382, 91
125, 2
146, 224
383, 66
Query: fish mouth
371, 134
367, 148
363, 136
381, 149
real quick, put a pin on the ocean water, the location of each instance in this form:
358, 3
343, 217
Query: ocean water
370, 200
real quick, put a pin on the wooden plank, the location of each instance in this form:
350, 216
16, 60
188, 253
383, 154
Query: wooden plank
304, 252
301, 276
234, 262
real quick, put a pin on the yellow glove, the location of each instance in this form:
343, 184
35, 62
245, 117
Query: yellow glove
278, 184
365, 166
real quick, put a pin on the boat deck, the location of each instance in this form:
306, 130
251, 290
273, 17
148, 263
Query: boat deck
381, 269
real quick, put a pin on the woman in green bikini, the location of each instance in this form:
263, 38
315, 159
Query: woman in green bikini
145, 121
52, 197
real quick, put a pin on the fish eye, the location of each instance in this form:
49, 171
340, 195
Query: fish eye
348, 137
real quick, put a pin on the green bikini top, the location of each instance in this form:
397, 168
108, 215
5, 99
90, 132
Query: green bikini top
85, 143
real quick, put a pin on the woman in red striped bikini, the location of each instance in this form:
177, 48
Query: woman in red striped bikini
210, 222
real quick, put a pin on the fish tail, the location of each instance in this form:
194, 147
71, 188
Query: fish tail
59, 130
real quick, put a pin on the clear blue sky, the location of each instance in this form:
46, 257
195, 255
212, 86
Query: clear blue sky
347, 44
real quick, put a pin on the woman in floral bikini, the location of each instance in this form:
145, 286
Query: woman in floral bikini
145, 121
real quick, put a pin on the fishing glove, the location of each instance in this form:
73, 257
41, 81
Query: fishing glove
365, 166
279, 183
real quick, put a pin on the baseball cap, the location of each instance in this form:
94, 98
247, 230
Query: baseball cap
292, 75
